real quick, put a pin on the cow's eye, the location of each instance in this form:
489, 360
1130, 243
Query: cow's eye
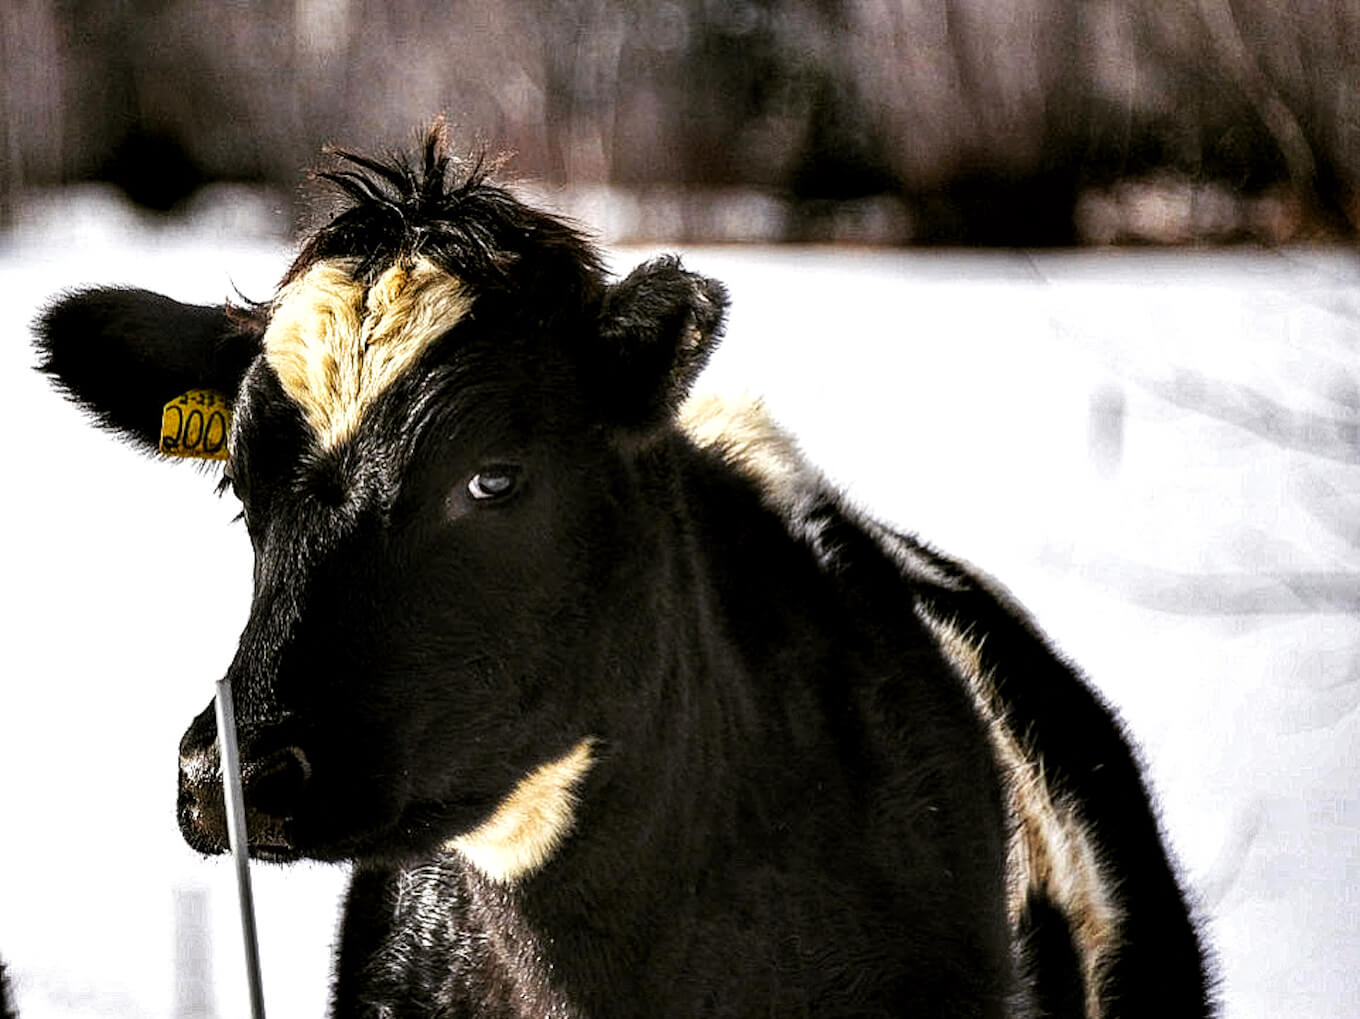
493, 482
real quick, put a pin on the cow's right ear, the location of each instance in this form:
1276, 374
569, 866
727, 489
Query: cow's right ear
658, 327
123, 354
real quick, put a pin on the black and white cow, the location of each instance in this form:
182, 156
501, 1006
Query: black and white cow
617, 707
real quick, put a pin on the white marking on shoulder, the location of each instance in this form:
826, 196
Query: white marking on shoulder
1050, 849
530, 823
742, 431
336, 346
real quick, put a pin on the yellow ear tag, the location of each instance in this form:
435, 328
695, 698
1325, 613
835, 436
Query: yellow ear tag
196, 425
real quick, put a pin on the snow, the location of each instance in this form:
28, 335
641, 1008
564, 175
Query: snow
1158, 453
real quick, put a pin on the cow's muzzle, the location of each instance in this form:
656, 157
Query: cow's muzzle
275, 772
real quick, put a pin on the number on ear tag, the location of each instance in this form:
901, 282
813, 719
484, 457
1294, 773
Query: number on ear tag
196, 425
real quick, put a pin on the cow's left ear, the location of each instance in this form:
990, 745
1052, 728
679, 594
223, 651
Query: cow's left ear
658, 327
123, 354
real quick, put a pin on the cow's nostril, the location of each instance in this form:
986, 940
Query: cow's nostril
274, 785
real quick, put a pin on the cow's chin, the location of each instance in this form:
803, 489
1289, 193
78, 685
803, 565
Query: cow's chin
271, 839
412, 833
274, 844
267, 852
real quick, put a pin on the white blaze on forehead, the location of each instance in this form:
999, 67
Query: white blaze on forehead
336, 346
530, 823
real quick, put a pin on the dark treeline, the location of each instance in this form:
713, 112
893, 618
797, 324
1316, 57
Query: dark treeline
958, 121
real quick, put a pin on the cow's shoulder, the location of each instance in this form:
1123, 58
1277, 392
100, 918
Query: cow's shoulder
745, 435
742, 431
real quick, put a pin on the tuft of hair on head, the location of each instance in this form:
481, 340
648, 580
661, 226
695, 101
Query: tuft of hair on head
447, 208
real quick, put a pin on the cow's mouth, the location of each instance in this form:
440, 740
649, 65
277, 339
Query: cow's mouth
267, 838
275, 787
271, 852
206, 832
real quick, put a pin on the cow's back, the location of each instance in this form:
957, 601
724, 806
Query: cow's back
1099, 924
1086, 849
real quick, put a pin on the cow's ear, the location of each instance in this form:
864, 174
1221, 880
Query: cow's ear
658, 327
123, 354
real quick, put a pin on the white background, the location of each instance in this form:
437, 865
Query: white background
1159, 453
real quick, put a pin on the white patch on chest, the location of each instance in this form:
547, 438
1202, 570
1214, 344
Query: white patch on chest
530, 823
336, 346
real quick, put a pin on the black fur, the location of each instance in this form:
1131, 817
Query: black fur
92, 341
663, 323
1052, 960
1088, 760
794, 807
6, 1007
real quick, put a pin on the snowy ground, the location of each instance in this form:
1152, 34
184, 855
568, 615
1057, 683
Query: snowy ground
1158, 453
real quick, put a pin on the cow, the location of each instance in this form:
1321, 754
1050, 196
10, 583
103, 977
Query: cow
613, 702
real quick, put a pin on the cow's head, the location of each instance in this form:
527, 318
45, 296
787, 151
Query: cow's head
438, 422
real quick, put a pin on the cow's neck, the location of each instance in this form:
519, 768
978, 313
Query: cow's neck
688, 773
675, 796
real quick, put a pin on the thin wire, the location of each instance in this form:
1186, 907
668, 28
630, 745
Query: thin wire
236, 836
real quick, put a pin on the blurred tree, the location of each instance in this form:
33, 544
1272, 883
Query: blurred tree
977, 121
